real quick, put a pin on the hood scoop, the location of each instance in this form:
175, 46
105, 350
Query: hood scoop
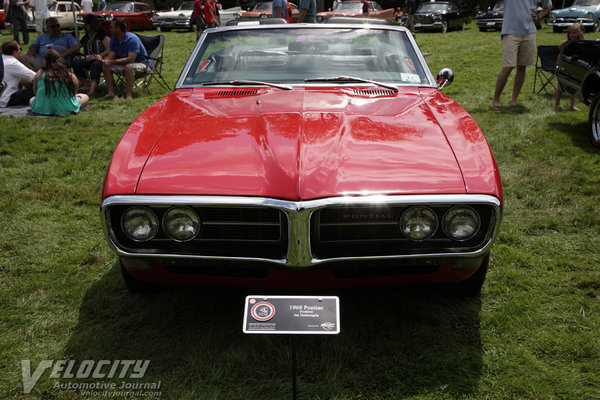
237, 92
374, 92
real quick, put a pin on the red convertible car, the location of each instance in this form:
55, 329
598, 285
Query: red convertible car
353, 9
138, 15
305, 157
265, 10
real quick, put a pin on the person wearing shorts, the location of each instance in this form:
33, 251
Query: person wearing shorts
127, 56
198, 17
518, 43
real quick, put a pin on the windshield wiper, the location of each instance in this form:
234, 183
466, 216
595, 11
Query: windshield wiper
351, 79
247, 83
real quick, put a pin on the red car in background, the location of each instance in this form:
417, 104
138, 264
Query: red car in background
138, 15
2, 16
265, 10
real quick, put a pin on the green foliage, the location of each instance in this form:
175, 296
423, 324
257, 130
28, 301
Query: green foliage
532, 334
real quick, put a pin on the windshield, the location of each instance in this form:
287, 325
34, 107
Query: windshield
499, 6
287, 56
348, 6
186, 6
432, 7
122, 7
263, 7
586, 2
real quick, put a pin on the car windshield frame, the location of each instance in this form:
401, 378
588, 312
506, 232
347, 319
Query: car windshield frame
433, 7
120, 6
186, 6
273, 63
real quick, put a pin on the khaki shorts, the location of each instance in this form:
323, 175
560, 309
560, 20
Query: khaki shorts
518, 50
135, 67
40, 24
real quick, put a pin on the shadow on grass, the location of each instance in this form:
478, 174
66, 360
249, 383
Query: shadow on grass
394, 342
578, 133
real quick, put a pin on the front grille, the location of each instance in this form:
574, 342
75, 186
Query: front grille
423, 19
226, 232
360, 231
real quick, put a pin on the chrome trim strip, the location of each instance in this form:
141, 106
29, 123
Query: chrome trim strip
299, 214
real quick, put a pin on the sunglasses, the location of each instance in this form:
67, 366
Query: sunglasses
54, 26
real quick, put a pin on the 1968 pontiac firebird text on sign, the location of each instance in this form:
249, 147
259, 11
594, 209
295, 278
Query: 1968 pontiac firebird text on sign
305, 156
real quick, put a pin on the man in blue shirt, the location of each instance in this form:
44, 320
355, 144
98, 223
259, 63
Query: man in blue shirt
127, 55
278, 10
308, 11
64, 43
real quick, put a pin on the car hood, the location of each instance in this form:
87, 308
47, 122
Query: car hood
578, 11
282, 144
490, 14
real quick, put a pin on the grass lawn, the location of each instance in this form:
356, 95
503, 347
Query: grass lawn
534, 333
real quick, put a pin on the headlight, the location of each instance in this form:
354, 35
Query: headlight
109, 17
418, 223
590, 16
139, 223
552, 17
461, 223
181, 224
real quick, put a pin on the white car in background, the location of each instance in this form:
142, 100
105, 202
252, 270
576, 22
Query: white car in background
62, 11
175, 19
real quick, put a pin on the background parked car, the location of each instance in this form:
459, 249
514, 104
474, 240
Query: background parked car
138, 15
176, 19
229, 14
265, 10
62, 11
492, 18
354, 9
585, 11
441, 16
579, 65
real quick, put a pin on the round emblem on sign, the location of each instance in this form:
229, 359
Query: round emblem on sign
263, 311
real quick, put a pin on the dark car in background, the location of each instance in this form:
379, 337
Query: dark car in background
579, 75
440, 16
492, 18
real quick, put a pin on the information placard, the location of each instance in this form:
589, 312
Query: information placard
316, 315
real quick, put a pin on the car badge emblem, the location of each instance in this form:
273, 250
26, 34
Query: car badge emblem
263, 311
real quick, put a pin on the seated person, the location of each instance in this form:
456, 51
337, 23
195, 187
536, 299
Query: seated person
126, 56
15, 74
55, 88
95, 46
64, 43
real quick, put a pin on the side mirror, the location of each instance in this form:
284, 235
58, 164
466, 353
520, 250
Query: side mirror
444, 77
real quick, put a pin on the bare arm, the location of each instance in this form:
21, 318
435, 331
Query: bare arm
35, 79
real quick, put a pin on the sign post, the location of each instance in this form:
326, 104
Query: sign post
292, 315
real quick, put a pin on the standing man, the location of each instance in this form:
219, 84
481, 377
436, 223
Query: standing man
127, 55
365, 8
18, 19
518, 43
198, 17
308, 11
410, 22
40, 12
15, 74
87, 6
210, 14
278, 10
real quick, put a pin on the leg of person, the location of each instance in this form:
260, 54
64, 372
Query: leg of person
525, 57
21, 98
95, 73
110, 81
573, 108
79, 65
129, 75
509, 60
25, 31
15, 28
557, 95
83, 100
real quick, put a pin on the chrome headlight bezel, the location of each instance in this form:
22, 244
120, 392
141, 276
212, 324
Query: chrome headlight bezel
142, 231
418, 212
193, 223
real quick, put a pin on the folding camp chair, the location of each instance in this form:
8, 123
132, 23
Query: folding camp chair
545, 68
154, 48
